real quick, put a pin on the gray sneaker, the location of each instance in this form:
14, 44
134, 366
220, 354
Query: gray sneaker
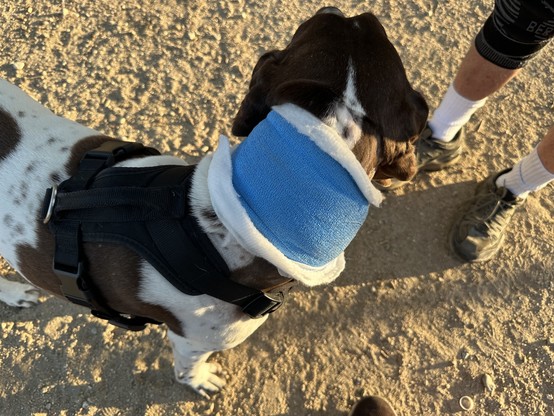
432, 154
479, 232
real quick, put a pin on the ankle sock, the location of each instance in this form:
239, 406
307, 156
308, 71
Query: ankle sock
528, 175
453, 112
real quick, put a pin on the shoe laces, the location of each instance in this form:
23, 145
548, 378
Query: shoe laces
491, 211
427, 147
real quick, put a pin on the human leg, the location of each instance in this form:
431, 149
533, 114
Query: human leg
513, 34
545, 150
477, 78
440, 144
478, 233
534, 171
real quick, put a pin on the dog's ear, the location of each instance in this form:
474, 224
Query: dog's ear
366, 151
372, 153
255, 107
420, 112
398, 159
403, 166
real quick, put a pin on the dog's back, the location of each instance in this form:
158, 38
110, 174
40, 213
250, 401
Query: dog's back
35, 146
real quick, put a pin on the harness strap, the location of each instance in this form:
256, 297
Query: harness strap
168, 202
68, 254
107, 154
210, 274
89, 209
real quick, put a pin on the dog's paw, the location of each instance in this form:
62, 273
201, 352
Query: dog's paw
204, 379
21, 295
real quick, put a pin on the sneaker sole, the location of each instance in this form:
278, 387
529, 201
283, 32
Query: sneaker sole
485, 255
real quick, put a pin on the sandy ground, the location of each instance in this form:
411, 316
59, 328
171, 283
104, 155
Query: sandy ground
406, 320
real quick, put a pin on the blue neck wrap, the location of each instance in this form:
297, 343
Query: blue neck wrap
299, 197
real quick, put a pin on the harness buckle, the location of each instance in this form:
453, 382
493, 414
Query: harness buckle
51, 194
264, 304
72, 285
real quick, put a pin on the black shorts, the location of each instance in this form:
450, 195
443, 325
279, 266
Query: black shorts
516, 31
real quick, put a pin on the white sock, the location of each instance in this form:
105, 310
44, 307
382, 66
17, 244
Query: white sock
452, 113
528, 175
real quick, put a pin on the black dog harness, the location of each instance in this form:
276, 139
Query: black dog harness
146, 210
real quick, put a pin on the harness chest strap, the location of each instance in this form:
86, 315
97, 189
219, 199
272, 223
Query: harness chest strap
68, 254
99, 204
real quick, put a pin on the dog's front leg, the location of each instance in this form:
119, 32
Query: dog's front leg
17, 294
191, 367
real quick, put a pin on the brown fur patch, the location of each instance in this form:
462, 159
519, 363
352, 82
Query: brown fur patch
113, 269
10, 134
80, 148
366, 152
260, 274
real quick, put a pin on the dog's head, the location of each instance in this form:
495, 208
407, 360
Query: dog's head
347, 73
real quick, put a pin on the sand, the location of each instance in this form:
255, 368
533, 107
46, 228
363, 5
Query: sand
407, 320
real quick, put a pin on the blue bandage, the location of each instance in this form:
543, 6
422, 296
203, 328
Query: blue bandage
299, 197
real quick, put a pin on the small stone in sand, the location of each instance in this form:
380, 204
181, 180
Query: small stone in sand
19, 65
488, 382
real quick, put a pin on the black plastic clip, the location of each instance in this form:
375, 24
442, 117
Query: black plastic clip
72, 285
264, 304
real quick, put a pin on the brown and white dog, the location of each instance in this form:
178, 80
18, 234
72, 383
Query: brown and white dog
341, 70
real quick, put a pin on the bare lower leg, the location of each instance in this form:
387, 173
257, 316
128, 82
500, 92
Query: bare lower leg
545, 150
478, 78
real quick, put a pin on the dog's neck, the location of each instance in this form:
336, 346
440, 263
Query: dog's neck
354, 183
232, 252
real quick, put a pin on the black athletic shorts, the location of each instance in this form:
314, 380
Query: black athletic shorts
516, 31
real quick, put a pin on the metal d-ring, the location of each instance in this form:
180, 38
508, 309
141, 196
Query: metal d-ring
51, 204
